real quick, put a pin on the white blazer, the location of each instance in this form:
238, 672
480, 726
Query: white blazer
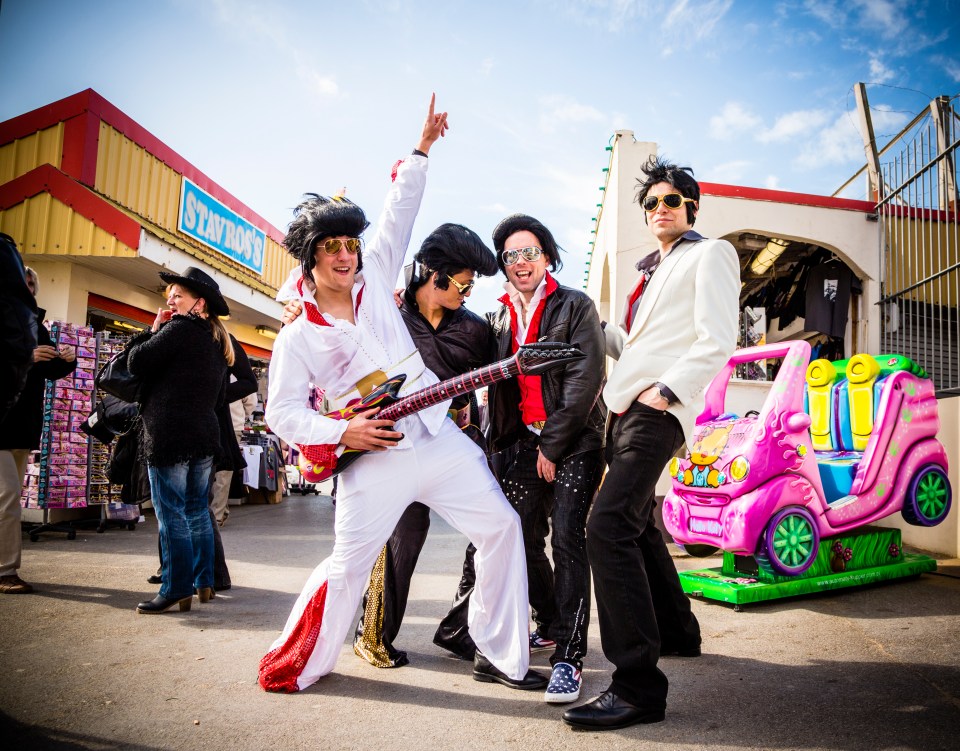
684, 330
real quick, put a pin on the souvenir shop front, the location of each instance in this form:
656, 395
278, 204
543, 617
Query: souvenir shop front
98, 206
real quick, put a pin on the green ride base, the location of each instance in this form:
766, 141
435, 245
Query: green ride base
864, 556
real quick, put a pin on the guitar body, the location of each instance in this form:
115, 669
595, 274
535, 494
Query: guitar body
317, 463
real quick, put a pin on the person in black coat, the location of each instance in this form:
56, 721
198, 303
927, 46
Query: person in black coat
18, 324
230, 460
19, 435
551, 429
183, 362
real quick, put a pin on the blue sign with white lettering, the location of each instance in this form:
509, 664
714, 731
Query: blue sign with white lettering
204, 218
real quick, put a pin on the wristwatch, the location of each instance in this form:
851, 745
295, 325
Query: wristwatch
660, 390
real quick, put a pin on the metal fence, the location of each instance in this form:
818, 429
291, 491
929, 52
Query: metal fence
919, 241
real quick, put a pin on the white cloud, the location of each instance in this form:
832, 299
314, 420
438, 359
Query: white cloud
879, 73
264, 22
950, 67
827, 11
486, 65
861, 21
558, 110
793, 125
318, 83
886, 120
885, 16
732, 120
838, 143
696, 20
729, 172
495, 208
772, 182
841, 142
611, 15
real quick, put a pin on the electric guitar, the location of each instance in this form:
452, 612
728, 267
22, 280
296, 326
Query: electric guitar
319, 462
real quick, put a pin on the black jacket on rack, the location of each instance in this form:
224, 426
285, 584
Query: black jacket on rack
22, 426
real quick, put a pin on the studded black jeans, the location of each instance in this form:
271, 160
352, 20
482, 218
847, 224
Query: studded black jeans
559, 595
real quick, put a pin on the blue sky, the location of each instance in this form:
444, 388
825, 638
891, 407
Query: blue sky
271, 99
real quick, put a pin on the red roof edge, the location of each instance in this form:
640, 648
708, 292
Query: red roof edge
48, 179
89, 100
783, 196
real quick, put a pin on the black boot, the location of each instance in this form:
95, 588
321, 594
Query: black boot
160, 604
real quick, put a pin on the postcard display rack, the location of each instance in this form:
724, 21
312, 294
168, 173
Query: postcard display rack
100, 491
70, 469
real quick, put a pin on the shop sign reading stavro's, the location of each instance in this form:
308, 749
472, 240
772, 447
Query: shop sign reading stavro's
205, 219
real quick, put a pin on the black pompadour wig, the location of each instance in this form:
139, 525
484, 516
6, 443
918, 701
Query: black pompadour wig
523, 222
657, 170
318, 217
449, 249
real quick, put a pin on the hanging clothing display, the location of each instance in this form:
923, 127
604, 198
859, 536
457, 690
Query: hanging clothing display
828, 298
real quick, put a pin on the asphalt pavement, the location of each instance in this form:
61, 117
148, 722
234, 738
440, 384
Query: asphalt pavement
870, 668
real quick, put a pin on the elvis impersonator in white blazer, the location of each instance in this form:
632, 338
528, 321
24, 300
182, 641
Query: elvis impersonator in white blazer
678, 330
434, 463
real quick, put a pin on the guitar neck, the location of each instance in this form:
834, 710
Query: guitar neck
450, 388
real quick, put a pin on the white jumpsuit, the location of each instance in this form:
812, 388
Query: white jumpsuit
435, 464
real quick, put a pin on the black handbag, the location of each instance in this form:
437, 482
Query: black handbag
110, 418
116, 379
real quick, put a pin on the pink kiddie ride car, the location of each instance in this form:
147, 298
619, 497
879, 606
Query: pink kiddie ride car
835, 446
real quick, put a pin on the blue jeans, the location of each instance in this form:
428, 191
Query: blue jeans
179, 494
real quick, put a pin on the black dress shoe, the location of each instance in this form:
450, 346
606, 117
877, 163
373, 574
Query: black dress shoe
161, 604
155, 579
609, 712
462, 649
484, 670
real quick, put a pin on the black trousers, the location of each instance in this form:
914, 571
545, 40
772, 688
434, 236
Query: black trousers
402, 552
559, 594
640, 602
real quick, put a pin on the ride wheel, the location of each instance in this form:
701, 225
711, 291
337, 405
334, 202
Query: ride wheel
789, 543
928, 498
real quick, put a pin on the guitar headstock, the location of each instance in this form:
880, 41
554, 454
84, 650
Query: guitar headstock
539, 357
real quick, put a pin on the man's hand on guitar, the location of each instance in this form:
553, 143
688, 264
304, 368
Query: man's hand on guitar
366, 433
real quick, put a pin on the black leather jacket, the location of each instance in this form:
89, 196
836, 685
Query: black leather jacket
571, 394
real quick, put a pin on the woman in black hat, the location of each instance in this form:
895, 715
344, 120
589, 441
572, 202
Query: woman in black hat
183, 362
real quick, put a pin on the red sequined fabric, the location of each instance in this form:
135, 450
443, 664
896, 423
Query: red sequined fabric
280, 668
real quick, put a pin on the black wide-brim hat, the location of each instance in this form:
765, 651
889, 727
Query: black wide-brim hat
202, 283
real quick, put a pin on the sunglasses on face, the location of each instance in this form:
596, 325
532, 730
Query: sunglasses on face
670, 200
462, 288
331, 246
510, 257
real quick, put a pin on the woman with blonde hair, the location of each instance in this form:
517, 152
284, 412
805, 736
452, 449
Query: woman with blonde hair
183, 362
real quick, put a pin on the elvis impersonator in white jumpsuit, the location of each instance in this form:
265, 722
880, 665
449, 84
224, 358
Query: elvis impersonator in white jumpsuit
435, 463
